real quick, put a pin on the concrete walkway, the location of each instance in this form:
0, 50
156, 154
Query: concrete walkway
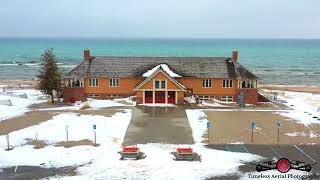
158, 125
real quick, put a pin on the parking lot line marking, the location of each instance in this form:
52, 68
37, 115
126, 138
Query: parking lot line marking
274, 151
304, 153
244, 147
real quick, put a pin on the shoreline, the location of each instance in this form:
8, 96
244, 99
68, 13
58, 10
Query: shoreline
295, 88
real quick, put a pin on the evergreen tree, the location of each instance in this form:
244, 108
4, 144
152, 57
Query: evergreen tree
50, 78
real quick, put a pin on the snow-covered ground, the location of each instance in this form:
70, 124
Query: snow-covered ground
214, 104
19, 104
198, 122
95, 104
103, 162
305, 106
303, 134
158, 105
190, 99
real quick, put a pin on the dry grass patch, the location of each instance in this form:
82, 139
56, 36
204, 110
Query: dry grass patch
85, 105
234, 126
24, 121
84, 142
37, 144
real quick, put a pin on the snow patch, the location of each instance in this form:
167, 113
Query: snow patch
204, 103
198, 122
158, 105
95, 104
304, 105
303, 134
103, 162
165, 67
19, 104
190, 99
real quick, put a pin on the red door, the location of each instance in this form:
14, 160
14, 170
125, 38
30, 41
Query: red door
171, 97
160, 97
148, 97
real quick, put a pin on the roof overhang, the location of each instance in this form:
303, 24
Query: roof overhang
160, 69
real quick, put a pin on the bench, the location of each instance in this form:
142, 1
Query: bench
130, 152
185, 154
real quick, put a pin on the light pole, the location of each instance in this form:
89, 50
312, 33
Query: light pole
208, 127
278, 126
95, 134
253, 126
67, 132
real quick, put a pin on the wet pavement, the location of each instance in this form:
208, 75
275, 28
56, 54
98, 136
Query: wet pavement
168, 125
34, 172
309, 154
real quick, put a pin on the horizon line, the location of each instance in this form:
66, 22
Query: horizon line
157, 38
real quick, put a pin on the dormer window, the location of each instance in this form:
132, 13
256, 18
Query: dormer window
160, 84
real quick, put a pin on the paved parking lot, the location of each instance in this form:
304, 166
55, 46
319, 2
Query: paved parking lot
309, 154
168, 125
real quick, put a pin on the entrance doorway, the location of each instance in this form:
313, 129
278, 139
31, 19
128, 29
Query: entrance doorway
148, 97
171, 97
160, 97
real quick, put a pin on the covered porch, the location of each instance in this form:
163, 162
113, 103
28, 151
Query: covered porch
156, 96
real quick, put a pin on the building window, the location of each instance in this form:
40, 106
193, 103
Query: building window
163, 84
93, 82
206, 83
81, 83
205, 98
227, 83
114, 82
93, 95
227, 98
248, 84
160, 84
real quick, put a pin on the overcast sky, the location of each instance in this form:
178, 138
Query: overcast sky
161, 18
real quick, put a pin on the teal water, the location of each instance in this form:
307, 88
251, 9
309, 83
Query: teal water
285, 61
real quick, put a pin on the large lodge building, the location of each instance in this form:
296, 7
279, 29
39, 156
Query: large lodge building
161, 79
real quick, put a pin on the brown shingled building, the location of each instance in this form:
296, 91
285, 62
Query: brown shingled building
160, 79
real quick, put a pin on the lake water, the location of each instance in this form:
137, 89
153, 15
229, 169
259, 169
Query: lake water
285, 61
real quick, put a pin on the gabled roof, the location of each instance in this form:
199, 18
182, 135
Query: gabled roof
201, 67
159, 69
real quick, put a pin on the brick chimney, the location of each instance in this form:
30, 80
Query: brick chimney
235, 56
86, 54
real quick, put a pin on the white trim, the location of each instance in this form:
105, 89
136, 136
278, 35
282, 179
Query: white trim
176, 97
166, 97
143, 97
155, 73
153, 97
159, 89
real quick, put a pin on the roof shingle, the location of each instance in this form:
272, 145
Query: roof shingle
202, 67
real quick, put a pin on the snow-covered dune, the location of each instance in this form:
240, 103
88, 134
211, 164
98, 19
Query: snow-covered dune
15, 103
305, 107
